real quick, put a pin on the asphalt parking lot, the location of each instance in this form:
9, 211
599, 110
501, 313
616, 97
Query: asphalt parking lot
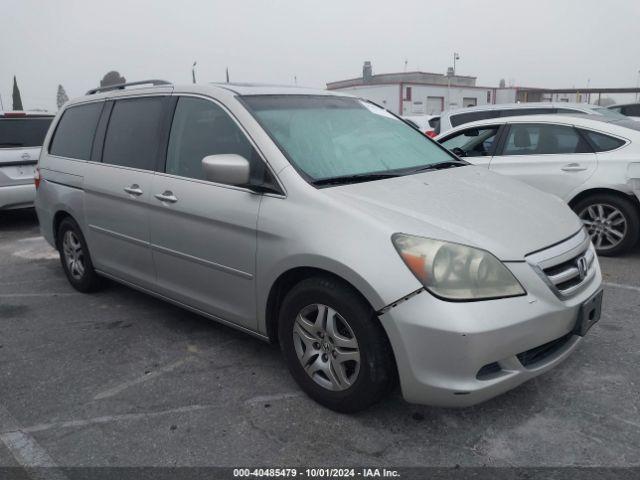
119, 378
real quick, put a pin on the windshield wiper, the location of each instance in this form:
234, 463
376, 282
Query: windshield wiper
438, 166
10, 144
361, 177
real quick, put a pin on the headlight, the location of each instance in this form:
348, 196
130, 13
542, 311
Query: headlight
456, 272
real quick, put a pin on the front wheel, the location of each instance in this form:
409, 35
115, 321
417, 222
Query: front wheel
335, 347
612, 222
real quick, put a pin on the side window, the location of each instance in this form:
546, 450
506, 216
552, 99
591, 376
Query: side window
134, 133
602, 142
528, 139
75, 131
474, 142
463, 118
201, 128
631, 110
516, 112
569, 111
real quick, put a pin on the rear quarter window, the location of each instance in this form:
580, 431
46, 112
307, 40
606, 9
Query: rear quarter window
23, 132
74, 133
602, 142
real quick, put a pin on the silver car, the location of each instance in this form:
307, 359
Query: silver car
21, 136
325, 223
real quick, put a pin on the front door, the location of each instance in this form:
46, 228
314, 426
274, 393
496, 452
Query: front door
475, 144
203, 235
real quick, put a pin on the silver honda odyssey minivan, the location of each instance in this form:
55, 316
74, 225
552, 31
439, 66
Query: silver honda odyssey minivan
324, 223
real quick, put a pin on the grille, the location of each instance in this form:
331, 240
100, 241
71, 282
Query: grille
569, 276
567, 267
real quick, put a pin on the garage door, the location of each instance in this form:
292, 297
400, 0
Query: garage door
435, 105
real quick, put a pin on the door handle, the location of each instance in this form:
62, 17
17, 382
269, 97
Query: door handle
573, 167
166, 196
134, 190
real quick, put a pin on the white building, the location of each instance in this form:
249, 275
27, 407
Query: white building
416, 93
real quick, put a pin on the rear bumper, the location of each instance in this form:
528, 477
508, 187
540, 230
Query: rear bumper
457, 354
17, 196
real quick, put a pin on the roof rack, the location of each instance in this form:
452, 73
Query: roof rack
122, 86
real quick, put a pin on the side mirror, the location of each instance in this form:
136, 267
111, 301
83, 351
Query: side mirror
227, 168
472, 132
459, 152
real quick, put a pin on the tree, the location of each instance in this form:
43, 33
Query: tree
112, 78
17, 99
62, 96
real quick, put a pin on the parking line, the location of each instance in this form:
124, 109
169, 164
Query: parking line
123, 386
117, 418
21, 295
621, 285
31, 456
271, 398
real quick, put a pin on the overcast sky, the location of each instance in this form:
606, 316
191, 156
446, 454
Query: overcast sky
538, 43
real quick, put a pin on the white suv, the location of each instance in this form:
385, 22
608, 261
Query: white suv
21, 136
454, 118
590, 162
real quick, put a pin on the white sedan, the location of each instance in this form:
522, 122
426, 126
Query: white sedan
590, 162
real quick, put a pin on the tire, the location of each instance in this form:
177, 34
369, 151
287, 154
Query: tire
75, 258
357, 384
622, 216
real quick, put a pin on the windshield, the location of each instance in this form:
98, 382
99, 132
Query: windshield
23, 132
330, 137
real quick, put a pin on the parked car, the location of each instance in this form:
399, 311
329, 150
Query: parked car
591, 162
425, 123
631, 110
325, 223
21, 136
454, 118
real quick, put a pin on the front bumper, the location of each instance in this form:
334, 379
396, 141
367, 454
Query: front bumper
17, 196
457, 354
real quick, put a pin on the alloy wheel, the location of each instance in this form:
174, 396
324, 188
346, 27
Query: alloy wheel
73, 255
326, 347
606, 225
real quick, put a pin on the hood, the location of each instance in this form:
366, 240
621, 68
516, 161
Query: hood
468, 205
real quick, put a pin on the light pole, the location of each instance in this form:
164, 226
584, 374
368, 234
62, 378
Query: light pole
193, 71
456, 56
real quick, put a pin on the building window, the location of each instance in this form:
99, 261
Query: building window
407, 94
469, 101
488, 96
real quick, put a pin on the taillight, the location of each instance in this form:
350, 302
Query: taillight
431, 134
36, 177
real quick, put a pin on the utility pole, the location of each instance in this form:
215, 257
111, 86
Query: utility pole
456, 56
193, 71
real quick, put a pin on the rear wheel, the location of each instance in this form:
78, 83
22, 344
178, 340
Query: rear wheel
75, 257
612, 222
334, 345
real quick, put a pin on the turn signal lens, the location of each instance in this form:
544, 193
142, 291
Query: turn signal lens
36, 177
